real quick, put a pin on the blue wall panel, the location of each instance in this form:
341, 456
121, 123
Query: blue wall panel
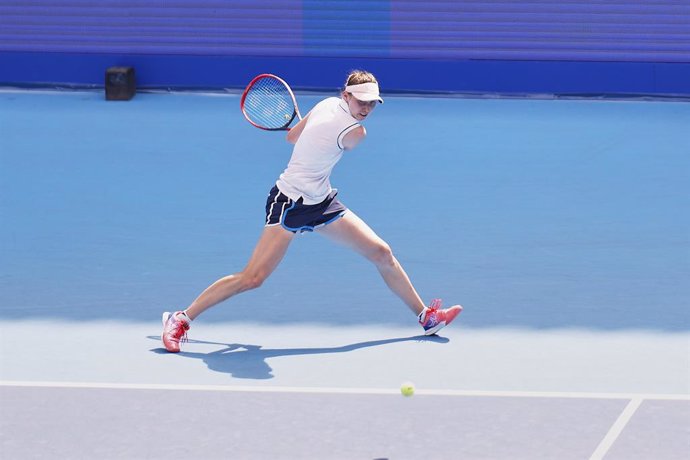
347, 29
567, 46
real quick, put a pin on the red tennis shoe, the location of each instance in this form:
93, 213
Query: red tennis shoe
174, 330
433, 319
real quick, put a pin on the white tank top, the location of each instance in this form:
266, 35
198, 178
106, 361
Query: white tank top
316, 152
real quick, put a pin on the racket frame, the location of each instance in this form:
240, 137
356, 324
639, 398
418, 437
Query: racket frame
295, 112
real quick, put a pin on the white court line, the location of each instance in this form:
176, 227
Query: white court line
616, 429
335, 390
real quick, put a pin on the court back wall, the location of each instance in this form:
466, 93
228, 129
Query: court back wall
495, 46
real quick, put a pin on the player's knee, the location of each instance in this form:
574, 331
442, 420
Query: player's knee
382, 255
252, 280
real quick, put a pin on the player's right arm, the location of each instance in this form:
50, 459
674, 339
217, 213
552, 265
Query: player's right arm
296, 130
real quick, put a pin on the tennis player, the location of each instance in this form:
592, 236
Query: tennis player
303, 200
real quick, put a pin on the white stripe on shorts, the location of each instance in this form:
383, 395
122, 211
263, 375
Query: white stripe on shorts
270, 211
282, 211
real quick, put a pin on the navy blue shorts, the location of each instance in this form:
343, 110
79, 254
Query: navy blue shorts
298, 217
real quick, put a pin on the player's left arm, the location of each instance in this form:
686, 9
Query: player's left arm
296, 130
354, 137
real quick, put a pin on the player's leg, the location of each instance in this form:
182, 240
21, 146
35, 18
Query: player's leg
353, 232
267, 254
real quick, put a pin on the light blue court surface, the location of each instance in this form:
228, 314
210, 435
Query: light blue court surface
561, 226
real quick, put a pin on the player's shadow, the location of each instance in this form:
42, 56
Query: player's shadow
244, 361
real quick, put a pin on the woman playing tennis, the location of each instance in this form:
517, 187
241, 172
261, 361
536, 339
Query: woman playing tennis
303, 200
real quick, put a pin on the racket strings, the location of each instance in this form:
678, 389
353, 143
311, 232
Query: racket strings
268, 103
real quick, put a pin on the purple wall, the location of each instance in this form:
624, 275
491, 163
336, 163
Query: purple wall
612, 45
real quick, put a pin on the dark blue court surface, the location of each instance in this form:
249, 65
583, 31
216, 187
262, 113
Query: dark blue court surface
561, 226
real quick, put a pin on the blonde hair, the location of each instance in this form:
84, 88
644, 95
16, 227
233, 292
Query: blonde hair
360, 76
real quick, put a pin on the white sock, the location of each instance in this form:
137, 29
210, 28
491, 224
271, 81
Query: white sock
422, 315
183, 316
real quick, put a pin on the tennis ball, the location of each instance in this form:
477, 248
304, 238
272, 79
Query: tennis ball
407, 389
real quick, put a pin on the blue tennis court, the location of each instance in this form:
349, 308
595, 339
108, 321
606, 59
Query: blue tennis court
560, 225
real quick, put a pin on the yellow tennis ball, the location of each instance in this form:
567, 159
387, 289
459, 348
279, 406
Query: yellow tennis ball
407, 389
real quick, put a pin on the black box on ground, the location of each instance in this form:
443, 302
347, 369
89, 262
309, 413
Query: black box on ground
120, 84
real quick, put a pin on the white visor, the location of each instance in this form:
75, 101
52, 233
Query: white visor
365, 92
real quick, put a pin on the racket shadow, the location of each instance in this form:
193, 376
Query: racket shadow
244, 361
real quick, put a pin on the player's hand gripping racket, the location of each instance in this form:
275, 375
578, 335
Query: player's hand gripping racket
268, 103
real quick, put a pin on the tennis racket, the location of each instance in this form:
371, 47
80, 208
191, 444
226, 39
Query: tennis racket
268, 103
